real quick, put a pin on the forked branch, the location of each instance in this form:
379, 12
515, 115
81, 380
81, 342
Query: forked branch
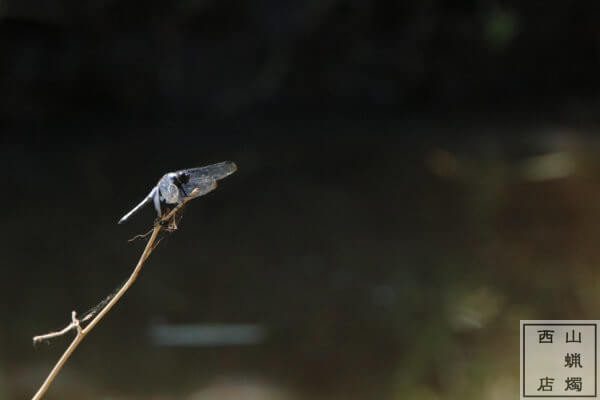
167, 222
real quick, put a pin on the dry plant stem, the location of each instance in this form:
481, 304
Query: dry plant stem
81, 333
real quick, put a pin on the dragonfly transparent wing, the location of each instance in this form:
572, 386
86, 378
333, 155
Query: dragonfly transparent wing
204, 185
205, 178
214, 171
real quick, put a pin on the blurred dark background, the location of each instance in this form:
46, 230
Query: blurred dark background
414, 179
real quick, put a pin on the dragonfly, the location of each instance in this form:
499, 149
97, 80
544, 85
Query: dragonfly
174, 187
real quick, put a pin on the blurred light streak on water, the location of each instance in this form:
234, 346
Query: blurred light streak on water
207, 334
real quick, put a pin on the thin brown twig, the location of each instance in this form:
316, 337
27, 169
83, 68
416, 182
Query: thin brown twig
140, 236
75, 323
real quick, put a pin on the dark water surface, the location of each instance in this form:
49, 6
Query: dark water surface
378, 259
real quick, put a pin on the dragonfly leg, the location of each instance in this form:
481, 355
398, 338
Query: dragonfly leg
183, 190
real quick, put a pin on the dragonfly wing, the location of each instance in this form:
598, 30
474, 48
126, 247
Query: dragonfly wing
214, 171
204, 184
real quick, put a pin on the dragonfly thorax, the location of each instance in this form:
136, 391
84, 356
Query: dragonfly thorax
169, 187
